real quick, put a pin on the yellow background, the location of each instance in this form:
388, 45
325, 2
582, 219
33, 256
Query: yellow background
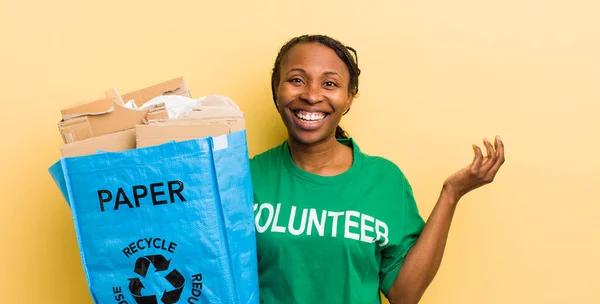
437, 77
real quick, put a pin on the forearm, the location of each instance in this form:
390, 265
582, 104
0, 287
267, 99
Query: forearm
424, 258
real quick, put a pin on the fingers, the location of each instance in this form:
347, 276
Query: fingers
491, 157
499, 161
490, 151
477, 160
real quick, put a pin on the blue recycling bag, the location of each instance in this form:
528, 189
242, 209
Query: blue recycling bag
171, 223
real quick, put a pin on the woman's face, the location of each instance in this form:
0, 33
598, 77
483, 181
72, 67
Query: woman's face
312, 94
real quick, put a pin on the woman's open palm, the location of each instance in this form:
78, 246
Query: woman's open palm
480, 172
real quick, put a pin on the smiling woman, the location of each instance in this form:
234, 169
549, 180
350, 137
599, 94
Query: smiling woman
335, 225
312, 94
340, 76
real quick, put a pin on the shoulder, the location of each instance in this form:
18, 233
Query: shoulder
385, 168
266, 159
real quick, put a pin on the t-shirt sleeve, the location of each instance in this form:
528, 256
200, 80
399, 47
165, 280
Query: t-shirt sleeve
392, 256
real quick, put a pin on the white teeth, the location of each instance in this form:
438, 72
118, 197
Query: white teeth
314, 116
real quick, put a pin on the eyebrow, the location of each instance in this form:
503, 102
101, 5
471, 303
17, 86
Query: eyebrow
304, 72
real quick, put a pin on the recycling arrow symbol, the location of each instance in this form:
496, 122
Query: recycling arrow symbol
160, 264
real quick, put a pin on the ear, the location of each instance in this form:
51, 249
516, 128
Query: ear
349, 103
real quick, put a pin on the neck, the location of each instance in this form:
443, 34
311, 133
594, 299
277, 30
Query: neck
326, 158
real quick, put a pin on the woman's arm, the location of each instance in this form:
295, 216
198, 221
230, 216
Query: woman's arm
424, 258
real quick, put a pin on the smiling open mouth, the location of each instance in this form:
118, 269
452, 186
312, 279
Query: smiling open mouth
310, 116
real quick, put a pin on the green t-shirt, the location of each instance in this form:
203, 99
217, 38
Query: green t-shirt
335, 239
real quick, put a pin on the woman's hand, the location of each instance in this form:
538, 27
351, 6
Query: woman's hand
480, 172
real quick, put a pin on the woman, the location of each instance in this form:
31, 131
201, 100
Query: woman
335, 225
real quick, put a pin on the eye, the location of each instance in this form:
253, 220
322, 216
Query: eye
295, 80
330, 84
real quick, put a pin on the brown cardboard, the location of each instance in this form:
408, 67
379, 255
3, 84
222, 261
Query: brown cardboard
101, 105
176, 86
98, 124
119, 141
212, 107
158, 112
184, 129
215, 106
116, 97
215, 113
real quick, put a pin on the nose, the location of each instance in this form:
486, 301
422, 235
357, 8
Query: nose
312, 94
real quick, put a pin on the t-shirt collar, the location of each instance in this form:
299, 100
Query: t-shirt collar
325, 180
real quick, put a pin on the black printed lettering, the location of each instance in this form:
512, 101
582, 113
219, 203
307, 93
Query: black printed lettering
103, 199
133, 248
196, 289
122, 199
137, 195
177, 191
155, 193
119, 296
140, 246
149, 243
142, 194
155, 240
172, 247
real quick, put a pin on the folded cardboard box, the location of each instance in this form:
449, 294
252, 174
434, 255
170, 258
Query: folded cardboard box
177, 86
102, 105
113, 113
97, 118
115, 142
147, 117
161, 132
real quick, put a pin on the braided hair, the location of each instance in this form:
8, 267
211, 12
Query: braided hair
342, 51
